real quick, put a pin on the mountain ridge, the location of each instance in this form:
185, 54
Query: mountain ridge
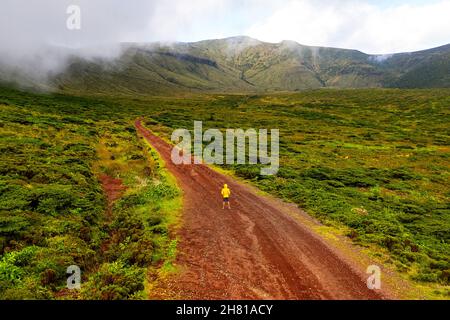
244, 64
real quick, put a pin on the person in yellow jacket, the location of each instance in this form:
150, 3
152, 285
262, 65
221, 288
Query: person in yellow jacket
226, 196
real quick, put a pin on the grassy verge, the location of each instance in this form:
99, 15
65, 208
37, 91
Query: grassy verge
53, 211
139, 242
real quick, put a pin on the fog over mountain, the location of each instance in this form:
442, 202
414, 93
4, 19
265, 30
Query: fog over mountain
237, 64
36, 43
156, 44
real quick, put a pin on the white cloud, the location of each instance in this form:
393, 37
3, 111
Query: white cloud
358, 25
30, 28
180, 20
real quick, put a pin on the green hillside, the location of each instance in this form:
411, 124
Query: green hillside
242, 64
433, 71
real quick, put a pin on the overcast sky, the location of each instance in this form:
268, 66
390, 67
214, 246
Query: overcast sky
368, 25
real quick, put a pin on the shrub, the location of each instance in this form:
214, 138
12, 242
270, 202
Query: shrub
114, 281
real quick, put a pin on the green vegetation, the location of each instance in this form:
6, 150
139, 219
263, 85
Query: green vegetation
374, 162
242, 64
54, 213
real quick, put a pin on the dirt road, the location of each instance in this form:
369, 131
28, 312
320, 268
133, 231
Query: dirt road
253, 251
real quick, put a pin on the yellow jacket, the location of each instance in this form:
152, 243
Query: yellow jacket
226, 192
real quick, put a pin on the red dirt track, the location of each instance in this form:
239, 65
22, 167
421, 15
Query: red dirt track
113, 189
254, 251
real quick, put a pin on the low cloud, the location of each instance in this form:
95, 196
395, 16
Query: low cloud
36, 42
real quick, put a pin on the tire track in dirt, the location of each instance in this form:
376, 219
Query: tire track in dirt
256, 250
